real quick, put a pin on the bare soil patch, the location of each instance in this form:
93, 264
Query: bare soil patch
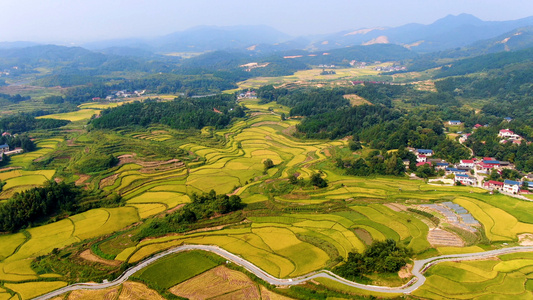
235, 191
327, 153
289, 130
82, 179
108, 181
405, 271
526, 239
151, 166
88, 255
356, 100
9, 169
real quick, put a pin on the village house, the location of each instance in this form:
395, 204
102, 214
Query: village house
511, 186
484, 168
477, 126
493, 185
465, 179
455, 171
406, 162
441, 165
421, 159
426, 152
507, 119
508, 134
4, 148
454, 122
248, 95
467, 163
493, 163
15, 151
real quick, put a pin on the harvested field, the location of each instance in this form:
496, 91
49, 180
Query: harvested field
439, 237
108, 181
269, 295
222, 281
137, 291
88, 255
107, 294
81, 180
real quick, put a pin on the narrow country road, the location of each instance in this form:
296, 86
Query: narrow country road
420, 266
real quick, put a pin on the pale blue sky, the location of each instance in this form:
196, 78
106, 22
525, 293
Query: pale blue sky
89, 20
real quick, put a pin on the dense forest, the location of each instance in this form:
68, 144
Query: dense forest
25, 122
217, 111
37, 204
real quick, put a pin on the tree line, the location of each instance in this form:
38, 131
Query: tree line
201, 207
217, 111
24, 122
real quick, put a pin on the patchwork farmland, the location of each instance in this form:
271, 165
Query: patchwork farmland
285, 230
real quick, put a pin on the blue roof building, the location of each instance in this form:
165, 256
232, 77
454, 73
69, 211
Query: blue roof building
424, 151
511, 182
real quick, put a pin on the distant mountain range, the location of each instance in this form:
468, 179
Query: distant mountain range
446, 33
460, 35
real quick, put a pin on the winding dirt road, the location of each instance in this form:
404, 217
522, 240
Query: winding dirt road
420, 266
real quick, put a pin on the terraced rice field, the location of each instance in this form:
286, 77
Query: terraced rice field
504, 278
82, 114
287, 244
278, 244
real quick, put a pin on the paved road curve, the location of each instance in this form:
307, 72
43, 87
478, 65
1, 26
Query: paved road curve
418, 269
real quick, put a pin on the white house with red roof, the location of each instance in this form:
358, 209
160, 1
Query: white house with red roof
508, 134
467, 163
493, 185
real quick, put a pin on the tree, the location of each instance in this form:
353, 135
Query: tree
355, 145
293, 179
268, 163
425, 171
318, 181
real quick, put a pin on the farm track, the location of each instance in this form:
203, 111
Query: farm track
420, 266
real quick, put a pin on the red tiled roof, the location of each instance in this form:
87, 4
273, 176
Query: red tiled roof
423, 163
493, 182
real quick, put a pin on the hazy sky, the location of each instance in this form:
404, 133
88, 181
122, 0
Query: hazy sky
89, 20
